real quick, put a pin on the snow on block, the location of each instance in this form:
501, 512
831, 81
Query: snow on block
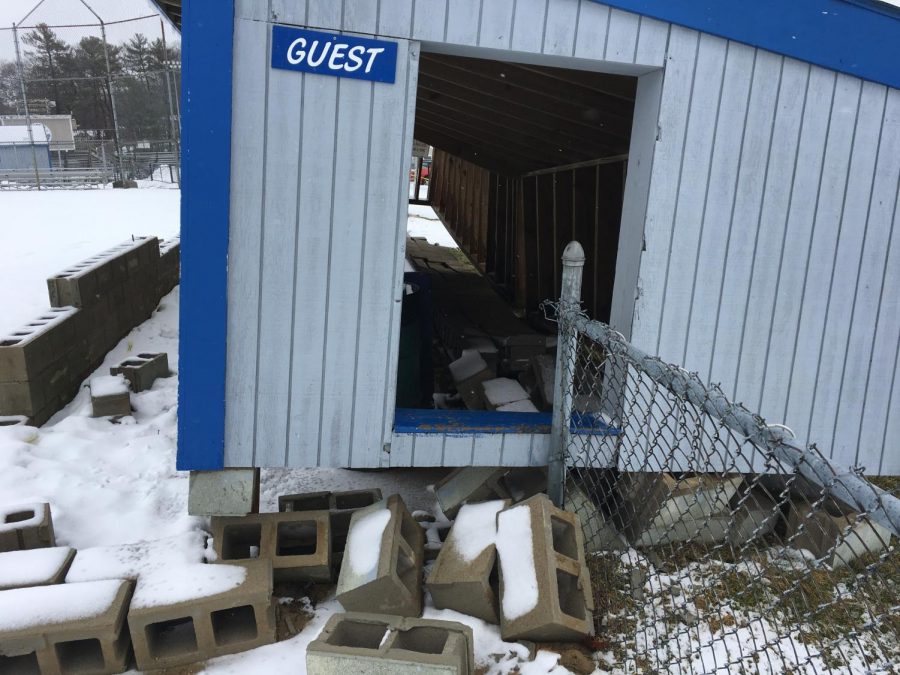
110, 396
518, 406
142, 370
13, 420
378, 644
168, 630
224, 492
468, 372
298, 544
502, 391
34, 567
484, 483
833, 533
545, 590
26, 526
464, 577
65, 628
382, 566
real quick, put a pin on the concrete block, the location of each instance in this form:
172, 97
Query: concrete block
545, 589
84, 633
833, 533
142, 370
31, 349
598, 532
26, 526
382, 566
544, 368
110, 396
485, 348
464, 577
481, 484
755, 517
169, 635
13, 420
34, 567
389, 645
225, 492
468, 372
298, 544
519, 349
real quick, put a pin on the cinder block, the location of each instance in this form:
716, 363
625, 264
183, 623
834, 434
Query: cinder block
142, 370
26, 526
298, 544
201, 628
463, 577
599, 534
484, 483
834, 533
224, 492
755, 517
545, 589
34, 567
502, 391
468, 372
518, 350
13, 420
110, 396
66, 629
387, 645
341, 506
544, 368
382, 566
29, 351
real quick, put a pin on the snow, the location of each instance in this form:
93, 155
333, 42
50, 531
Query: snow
468, 364
19, 134
24, 608
108, 385
475, 528
48, 231
519, 406
514, 548
35, 509
167, 586
503, 390
129, 561
31, 567
364, 542
424, 222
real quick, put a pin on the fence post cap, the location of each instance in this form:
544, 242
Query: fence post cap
573, 255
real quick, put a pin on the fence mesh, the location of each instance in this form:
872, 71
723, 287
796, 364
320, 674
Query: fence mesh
715, 543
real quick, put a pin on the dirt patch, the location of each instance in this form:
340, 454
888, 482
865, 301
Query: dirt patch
291, 617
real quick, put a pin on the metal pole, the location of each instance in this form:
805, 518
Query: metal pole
112, 100
20, 71
172, 130
569, 301
418, 178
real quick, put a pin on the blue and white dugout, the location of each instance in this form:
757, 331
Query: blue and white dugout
733, 166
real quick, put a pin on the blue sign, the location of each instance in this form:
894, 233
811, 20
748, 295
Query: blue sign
312, 51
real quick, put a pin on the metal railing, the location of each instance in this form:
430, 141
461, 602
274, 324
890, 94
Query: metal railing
716, 543
56, 178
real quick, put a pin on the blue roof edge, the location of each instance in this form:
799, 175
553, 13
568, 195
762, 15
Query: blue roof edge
857, 37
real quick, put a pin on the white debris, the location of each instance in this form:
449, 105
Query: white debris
23, 608
475, 528
503, 390
364, 541
109, 385
468, 364
514, 547
32, 567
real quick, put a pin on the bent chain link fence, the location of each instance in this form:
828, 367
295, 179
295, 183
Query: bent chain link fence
715, 543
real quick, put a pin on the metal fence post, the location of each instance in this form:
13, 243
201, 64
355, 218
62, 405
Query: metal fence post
20, 71
569, 301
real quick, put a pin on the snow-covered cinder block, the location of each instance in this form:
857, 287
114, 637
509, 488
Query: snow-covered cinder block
298, 544
502, 391
26, 526
382, 566
468, 372
220, 609
110, 396
545, 589
34, 567
834, 534
389, 645
65, 629
464, 576
142, 370
13, 420
485, 483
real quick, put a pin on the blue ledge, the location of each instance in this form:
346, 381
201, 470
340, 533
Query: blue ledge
420, 421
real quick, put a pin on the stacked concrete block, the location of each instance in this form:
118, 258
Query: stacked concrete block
485, 483
389, 645
341, 507
26, 526
658, 508
545, 589
169, 635
65, 628
34, 567
468, 372
382, 566
169, 265
224, 492
298, 544
38, 365
142, 370
834, 533
464, 578
110, 396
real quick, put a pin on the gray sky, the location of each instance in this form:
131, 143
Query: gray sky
55, 12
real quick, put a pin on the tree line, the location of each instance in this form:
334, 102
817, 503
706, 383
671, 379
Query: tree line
74, 77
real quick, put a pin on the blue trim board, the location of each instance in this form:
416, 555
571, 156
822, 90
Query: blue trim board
474, 422
207, 45
857, 37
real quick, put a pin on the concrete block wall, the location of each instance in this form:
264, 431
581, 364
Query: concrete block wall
94, 304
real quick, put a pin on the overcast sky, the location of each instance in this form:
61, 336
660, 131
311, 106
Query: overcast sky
56, 12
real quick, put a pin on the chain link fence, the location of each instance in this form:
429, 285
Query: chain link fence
715, 543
